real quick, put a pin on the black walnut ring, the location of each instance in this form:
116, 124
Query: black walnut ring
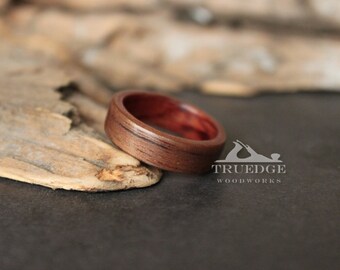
164, 132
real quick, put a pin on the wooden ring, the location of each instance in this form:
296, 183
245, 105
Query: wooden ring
164, 132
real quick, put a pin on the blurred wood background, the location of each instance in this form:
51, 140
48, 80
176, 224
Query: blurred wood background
226, 47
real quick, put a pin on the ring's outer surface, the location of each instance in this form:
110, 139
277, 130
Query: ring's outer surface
136, 121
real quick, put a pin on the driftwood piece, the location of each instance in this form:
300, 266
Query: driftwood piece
85, 80
90, 111
159, 52
43, 139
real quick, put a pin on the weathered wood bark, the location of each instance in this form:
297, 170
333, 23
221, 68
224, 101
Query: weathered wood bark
129, 50
43, 138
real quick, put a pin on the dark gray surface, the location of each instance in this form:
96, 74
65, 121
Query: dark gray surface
192, 222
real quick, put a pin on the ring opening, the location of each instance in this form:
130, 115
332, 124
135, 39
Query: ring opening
171, 116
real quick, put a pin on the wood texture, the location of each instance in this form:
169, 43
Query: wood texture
136, 122
308, 14
43, 137
154, 50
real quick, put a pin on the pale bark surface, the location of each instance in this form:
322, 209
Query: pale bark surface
43, 137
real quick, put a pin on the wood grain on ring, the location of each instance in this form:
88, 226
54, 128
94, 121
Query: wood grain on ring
164, 132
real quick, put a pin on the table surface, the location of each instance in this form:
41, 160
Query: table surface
194, 222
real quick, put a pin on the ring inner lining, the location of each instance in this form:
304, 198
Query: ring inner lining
171, 116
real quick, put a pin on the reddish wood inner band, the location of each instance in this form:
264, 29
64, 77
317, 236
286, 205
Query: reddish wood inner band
169, 114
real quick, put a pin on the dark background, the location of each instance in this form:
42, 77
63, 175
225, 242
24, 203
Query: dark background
193, 222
